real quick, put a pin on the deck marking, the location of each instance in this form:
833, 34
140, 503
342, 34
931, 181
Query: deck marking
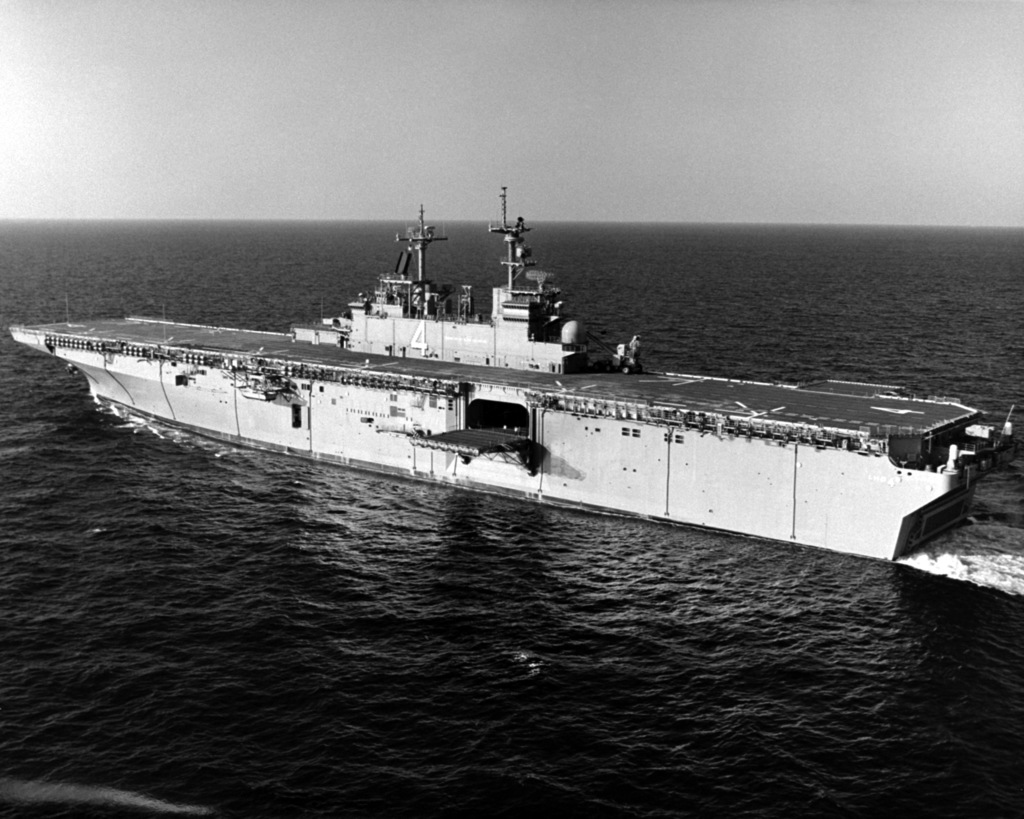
898, 411
759, 413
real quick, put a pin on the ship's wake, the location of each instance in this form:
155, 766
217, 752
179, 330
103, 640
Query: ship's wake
997, 563
41, 792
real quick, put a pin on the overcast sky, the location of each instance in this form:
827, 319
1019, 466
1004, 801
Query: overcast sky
718, 111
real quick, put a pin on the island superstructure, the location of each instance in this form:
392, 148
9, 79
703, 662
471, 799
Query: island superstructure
415, 317
411, 380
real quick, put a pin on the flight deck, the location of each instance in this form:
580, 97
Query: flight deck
831, 404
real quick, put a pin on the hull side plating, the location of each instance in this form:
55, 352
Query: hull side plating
853, 502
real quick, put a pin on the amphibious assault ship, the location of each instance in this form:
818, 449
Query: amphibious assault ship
411, 380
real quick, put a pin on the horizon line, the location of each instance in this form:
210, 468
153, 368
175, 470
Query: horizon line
339, 220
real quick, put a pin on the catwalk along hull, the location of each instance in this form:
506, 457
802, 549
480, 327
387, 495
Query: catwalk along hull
679, 449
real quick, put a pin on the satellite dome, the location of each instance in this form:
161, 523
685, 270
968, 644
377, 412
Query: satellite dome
573, 333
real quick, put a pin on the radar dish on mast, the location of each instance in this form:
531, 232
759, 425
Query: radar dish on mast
539, 276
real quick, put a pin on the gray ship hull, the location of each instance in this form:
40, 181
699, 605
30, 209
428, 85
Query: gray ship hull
690, 455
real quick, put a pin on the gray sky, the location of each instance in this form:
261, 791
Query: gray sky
716, 111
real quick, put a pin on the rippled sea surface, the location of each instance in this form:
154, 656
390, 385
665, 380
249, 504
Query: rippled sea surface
191, 628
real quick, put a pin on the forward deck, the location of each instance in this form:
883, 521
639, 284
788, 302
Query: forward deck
833, 405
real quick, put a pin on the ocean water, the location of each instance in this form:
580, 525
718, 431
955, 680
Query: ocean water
190, 628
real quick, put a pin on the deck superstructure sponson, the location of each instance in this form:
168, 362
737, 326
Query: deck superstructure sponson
408, 382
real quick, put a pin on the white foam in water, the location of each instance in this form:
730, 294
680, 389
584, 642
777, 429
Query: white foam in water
1003, 571
155, 431
40, 792
138, 423
532, 663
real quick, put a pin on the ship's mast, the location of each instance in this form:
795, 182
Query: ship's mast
418, 238
518, 252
